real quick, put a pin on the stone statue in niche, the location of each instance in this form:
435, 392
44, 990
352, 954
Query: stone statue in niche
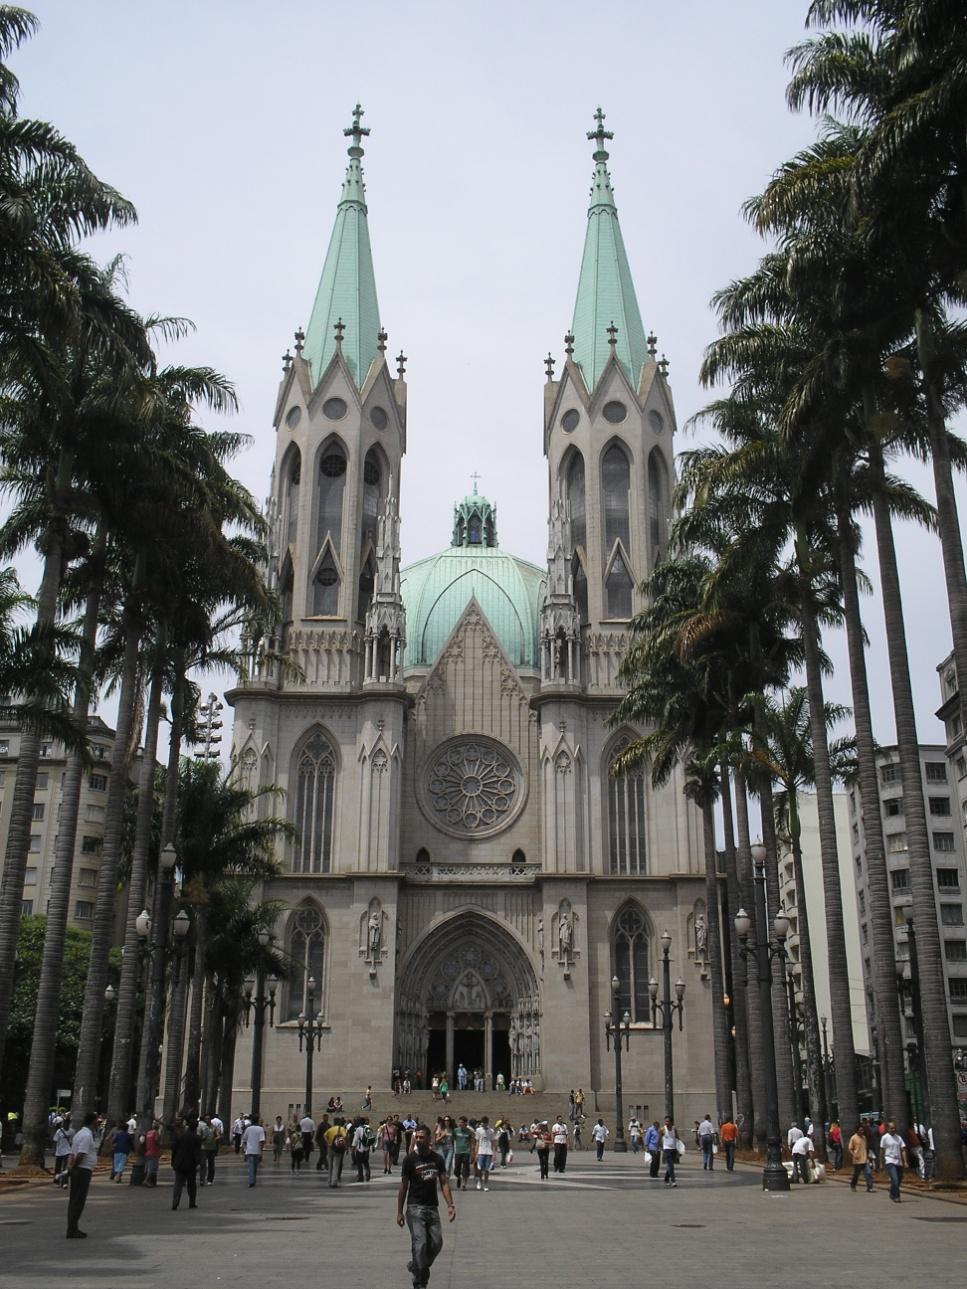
565, 935
375, 934
701, 937
469, 994
540, 940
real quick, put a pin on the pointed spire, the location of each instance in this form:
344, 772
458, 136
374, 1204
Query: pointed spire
347, 288
606, 292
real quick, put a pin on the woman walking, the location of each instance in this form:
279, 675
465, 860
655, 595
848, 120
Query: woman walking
443, 1141
543, 1148
278, 1139
295, 1147
669, 1150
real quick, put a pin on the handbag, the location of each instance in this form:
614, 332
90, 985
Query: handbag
680, 1146
647, 1156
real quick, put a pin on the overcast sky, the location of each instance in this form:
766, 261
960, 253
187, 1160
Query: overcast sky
223, 123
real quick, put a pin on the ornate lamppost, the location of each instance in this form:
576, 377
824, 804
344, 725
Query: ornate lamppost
763, 949
259, 1004
310, 1038
668, 1010
794, 1017
616, 1028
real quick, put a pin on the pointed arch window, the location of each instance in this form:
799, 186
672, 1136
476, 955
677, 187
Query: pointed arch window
293, 481
315, 788
616, 488
630, 948
372, 495
657, 504
325, 588
618, 588
367, 584
286, 583
580, 579
576, 499
332, 483
307, 957
626, 821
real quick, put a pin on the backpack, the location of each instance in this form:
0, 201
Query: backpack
339, 1142
369, 1138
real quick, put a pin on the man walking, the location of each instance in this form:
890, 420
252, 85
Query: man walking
307, 1126
599, 1135
363, 1141
80, 1167
462, 1140
894, 1155
669, 1150
802, 1149
422, 1172
634, 1132
559, 1139
322, 1163
729, 1135
336, 1143
152, 1153
706, 1141
484, 1139
186, 1160
209, 1149
653, 1147
859, 1157
253, 1143
62, 1151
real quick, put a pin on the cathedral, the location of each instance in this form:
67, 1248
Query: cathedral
466, 878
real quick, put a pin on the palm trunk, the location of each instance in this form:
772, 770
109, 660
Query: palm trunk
720, 1031
43, 1046
740, 1019
227, 1070
780, 1001
937, 1064
92, 1020
196, 1012
28, 758
894, 1096
119, 1092
757, 1052
211, 1049
810, 1018
839, 987
175, 1042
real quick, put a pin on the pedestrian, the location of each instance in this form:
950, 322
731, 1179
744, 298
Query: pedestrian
579, 1104
793, 1135
559, 1139
295, 1142
634, 1133
238, 1127
62, 1151
802, 1149
571, 1106
253, 1144
422, 1173
599, 1135
443, 1141
653, 1147
307, 1126
576, 1141
120, 1150
322, 1162
185, 1160
503, 1140
462, 1077
364, 1139
208, 1135
484, 1138
336, 1144
543, 1147
894, 1158
706, 1142
368, 1098
278, 1139
501, 1085
444, 1088
729, 1135
80, 1167
463, 1141
669, 1150
859, 1156
834, 1140
914, 1149
152, 1153
435, 1085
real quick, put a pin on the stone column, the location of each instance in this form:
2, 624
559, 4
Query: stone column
488, 1050
449, 1046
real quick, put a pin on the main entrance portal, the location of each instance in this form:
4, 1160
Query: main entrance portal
468, 995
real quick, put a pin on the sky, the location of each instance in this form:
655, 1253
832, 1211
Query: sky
223, 123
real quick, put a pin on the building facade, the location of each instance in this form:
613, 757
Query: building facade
466, 876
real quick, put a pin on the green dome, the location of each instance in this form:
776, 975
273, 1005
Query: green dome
438, 589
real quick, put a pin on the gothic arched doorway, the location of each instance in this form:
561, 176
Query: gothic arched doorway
468, 994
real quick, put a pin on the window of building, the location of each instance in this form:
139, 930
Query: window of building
332, 482
316, 776
576, 500
87, 877
893, 807
954, 727
865, 932
367, 584
94, 814
372, 495
30, 877
631, 964
325, 588
888, 773
626, 821
83, 910
26, 908
47, 749
618, 588
896, 843
943, 841
958, 988
948, 879
900, 917
951, 915
657, 504
856, 832
936, 771
4, 747
955, 950
307, 943
101, 751
43, 781
99, 782
616, 490
293, 483
37, 813
90, 845
862, 900
900, 877
34, 842
958, 1025
940, 805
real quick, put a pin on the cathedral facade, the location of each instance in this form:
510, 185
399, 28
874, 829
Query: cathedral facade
466, 877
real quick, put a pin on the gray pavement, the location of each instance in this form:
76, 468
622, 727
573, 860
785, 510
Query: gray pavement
603, 1225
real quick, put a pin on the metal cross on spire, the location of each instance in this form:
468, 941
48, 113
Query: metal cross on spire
357, 131
599, 136
475, 477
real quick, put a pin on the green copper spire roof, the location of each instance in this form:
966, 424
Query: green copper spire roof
606, 293
347, 288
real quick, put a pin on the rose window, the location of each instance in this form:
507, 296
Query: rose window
472, 787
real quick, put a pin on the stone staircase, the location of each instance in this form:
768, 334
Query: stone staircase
496, 1105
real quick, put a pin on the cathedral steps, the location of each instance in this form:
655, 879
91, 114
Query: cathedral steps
496, 1105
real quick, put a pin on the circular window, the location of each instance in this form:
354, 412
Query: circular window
333, 464
379, 418
327, 577
570, 420
334, 408
656, 422
472, 787
615, 412
293, 416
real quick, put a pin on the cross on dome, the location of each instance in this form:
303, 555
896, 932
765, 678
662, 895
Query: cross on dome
599, 136
357, 131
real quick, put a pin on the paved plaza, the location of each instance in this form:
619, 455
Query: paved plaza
603, 1225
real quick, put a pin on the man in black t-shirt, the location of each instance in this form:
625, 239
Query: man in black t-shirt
423, 1170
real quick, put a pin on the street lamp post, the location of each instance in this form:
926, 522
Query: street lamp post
310, 1037
668, 1009
618, 1027
259, 1003
794, 1043
763, 949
